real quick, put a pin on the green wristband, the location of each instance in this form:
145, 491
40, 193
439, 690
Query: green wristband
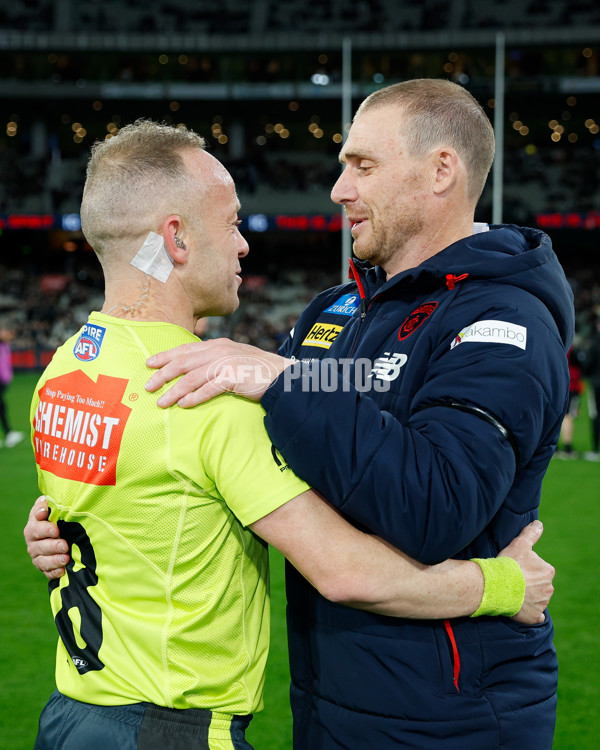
503, 588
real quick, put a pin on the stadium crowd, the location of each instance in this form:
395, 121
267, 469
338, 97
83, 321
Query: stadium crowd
542, 179
45, 309
259, 16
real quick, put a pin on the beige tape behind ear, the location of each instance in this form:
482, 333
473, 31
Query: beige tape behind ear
152, 258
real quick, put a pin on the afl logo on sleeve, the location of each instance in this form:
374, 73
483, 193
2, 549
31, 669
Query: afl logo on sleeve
87, 346
278, 458
416, 319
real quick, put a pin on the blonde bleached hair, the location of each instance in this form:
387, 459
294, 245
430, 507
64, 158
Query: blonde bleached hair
134, 180
441, 113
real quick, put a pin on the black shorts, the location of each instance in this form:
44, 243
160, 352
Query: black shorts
67, 724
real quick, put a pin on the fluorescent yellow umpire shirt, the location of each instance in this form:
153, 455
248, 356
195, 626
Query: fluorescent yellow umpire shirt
168, 597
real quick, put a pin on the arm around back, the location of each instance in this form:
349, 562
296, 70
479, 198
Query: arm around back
353, 568
358, 570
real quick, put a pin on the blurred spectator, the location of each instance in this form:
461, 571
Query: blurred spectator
575, 391
591, 369
11, 437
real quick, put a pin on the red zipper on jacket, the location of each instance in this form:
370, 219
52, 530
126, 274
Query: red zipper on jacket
451, 279
455, 654
353, 275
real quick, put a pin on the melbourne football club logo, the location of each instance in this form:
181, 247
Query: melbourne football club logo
416, 319
87, 347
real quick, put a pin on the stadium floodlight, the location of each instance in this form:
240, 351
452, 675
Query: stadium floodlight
320, 79
71, 222
258, 223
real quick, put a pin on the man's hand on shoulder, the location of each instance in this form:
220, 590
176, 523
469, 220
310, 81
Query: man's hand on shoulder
210, 368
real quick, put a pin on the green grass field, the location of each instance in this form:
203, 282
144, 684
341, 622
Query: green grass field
571, 514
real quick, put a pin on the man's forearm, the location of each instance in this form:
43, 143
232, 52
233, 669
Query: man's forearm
353, 568
359, 570
391, 583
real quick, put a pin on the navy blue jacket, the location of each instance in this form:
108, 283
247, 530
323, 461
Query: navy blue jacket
434, 431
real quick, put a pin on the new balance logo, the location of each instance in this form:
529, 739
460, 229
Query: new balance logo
389, 366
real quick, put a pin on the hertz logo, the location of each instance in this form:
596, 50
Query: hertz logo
322, 334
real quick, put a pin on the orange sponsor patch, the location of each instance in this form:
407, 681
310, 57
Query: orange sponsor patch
78, 427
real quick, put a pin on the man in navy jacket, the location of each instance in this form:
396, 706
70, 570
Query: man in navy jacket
439, 446
434, 430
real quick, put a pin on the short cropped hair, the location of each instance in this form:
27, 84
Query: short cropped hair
439, 112
133, 180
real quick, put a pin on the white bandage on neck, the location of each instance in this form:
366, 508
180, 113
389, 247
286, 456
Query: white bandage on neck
152, 258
